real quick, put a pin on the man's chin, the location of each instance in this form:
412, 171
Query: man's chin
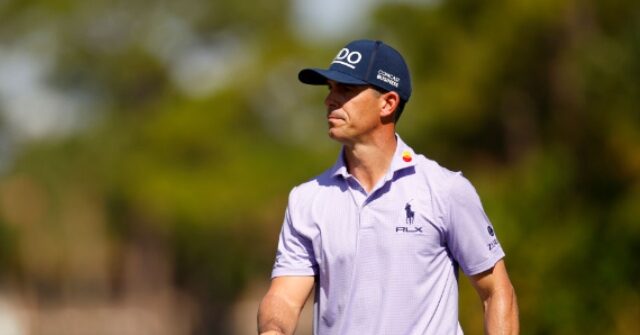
336, 135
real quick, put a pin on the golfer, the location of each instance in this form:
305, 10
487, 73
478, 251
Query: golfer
383, 233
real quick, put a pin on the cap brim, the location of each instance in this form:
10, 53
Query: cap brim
320, 77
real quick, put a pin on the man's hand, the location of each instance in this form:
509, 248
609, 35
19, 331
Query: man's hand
280, 308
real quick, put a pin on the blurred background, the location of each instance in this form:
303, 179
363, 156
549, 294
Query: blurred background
147, 149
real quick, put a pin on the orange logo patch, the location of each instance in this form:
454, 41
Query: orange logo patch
406, 156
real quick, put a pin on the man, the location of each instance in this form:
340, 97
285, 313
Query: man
383, 232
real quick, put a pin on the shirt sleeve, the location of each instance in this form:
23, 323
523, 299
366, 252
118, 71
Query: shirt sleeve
470, 235
295, 256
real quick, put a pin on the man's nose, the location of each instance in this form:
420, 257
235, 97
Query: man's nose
331, 101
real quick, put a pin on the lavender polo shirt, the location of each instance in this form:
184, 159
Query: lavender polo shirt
386, 262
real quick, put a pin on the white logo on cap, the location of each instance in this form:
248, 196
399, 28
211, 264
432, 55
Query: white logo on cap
388, 78
348, 58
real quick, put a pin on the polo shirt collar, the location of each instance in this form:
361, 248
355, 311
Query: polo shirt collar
404, 157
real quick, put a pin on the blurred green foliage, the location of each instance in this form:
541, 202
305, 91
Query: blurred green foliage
536, 101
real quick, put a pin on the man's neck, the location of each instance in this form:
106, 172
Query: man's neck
369, 162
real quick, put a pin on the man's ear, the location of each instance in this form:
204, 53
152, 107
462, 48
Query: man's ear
389, 103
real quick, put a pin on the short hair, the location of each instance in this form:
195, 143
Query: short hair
400, 107
399, 110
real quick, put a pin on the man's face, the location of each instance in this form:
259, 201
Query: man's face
353, 111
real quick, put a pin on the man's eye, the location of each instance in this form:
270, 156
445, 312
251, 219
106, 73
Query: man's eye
344, 89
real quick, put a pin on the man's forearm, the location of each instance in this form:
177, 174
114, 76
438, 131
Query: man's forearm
501, 313
276, 317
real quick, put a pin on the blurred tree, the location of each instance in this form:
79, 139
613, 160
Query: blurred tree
168, 160
194, 129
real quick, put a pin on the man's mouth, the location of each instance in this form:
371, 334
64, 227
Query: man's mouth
334, 116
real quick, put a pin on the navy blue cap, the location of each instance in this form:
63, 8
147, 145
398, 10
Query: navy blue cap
365, 62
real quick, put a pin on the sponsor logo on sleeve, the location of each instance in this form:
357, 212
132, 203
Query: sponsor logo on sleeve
494, 242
